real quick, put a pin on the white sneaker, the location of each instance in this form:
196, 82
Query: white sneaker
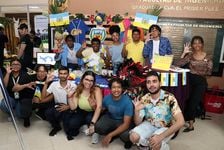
83, 128
95, 138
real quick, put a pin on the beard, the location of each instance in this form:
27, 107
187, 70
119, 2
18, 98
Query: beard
154, 92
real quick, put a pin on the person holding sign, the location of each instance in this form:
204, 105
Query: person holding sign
155, 44
200, 65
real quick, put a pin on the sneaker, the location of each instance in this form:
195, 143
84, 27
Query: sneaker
9, 119
95, 138
83, 128
140, 147
26, 122
127, 145
54, 131
40, 115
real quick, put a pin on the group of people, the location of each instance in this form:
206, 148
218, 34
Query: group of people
148, 121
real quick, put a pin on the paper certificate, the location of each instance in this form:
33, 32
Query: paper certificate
162, 62
173, 79
144, 20
59, 19
164, 79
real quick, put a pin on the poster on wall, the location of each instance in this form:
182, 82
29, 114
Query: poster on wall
144, 20
40, 25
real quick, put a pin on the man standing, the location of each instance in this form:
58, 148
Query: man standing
25, 52
134, 49
155, 44
61, 90
159, 108
3, 40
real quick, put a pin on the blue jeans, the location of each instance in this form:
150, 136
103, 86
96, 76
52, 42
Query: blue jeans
116, 67
77, 119
22, 108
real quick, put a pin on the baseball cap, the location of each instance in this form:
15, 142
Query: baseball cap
1, 25
22, 26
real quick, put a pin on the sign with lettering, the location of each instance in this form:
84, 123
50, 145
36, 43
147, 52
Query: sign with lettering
171, 8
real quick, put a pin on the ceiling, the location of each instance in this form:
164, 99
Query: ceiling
23, 6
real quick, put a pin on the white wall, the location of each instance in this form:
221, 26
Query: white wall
22, 2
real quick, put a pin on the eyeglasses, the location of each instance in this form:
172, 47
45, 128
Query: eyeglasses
89, 80
16, 65
41, 71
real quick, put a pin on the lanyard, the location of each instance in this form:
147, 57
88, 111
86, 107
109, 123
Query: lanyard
17, 80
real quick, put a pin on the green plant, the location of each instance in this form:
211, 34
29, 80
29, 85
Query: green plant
117, 18
6, 21
156, 11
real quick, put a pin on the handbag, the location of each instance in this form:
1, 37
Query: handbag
214, 101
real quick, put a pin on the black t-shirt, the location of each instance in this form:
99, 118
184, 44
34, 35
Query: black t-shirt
3, 40
27, 57
23, 78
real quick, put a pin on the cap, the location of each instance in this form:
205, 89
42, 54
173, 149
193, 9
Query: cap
1, 25
22, 26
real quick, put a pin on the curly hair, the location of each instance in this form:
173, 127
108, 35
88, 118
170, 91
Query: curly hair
80, 87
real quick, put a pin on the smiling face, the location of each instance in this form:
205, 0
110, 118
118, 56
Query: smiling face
16, 66
41, 73
116, 90
197, 45
70, 43
63, 75
96, 46
155, 33
136, 36
88, 81
153, 84
115, 37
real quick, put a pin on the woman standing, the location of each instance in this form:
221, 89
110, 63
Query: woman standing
200, 65
86, 104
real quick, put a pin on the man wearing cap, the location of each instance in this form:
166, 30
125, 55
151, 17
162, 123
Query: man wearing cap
25, 52
3, 40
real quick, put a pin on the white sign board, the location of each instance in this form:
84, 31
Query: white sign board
41, 24
46, 58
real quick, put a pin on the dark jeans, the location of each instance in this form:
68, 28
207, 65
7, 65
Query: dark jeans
55, 117
22, 107
73, 66
198, 86
42, 107
77, 119
106, 125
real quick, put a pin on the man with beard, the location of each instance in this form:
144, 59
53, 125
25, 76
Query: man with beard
161, 113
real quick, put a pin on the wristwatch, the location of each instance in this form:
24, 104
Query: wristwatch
92, 123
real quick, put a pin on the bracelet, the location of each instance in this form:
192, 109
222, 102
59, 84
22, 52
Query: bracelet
92, 123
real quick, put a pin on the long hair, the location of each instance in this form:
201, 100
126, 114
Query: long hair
80, 87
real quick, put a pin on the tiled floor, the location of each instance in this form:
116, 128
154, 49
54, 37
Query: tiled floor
208, 135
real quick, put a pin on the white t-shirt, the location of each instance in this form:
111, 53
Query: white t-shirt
72, 57
60, 94
155, 48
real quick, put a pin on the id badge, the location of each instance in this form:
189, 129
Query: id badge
16, 95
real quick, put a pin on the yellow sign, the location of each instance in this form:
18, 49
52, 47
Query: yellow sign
162, 62
59, 19
144, 20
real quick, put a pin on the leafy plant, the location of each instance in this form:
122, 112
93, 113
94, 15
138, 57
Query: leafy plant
156, 11
117, 18
5, 21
